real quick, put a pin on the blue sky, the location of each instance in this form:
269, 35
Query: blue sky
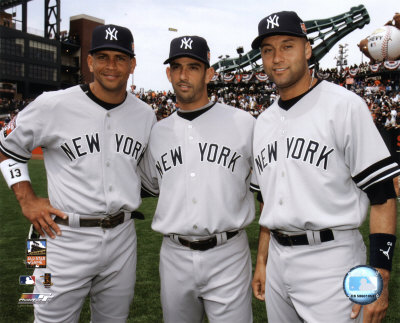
226, 24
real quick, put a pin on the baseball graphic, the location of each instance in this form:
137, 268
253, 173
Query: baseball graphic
384, 43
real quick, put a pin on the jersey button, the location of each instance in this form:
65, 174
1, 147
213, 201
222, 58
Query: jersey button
282, 118
195, 227
194, 201
110, 188
192, 174
108, 164
190, 137
190, 126
280, 202
108, 115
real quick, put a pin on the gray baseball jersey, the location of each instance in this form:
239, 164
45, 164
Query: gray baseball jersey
91, 156
89, 151
313, 161
203, 169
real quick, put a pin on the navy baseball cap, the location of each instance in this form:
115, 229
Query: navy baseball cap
280, 23
112, 37
189, 46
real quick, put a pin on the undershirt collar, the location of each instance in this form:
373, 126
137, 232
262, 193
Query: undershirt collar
191, 115
108, 106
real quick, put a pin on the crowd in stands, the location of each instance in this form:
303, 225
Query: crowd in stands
382, 97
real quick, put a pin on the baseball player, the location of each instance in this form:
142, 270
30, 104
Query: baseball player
92, 138
319, 161
200, 159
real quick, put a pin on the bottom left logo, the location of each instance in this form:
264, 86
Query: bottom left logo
30, 298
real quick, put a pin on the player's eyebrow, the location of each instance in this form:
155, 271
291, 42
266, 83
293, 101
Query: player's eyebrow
288, 40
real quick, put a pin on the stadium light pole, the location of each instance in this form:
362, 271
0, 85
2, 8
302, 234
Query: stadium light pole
341, 58
240, 51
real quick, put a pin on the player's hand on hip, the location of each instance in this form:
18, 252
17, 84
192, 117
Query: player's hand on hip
258, 283
38, 211
376, 311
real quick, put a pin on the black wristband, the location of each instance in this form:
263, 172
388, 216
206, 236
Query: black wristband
381, 250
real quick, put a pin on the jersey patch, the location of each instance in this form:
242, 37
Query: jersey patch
10, 127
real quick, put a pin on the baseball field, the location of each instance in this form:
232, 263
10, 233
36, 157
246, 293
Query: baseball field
146, 307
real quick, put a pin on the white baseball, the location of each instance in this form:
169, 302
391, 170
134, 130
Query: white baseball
384, 43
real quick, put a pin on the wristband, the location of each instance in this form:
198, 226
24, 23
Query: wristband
14, 172
381, 250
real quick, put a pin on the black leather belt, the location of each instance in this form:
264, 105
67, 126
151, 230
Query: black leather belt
301, 239
203, 245
108, 222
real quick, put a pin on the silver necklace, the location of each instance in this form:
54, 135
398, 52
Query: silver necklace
312, 79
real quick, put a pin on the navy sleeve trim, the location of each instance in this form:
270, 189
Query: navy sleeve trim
254, 187
384, 169
145, 192
380, 192
13, 155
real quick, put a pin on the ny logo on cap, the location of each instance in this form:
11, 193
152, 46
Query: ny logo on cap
112, 33
187, 43
272, 21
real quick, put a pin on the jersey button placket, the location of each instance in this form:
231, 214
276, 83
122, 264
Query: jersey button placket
108, 180
283, 126
190, 142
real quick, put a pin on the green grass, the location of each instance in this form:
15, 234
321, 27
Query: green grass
146, 307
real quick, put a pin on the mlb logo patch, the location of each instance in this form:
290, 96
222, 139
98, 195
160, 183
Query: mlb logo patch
303, 28
27, 280
362, 283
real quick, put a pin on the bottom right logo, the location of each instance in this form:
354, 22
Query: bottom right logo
363, 284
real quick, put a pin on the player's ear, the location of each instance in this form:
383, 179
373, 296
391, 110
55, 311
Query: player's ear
90, 62
308, 50
209, 74
133, 65
168, 71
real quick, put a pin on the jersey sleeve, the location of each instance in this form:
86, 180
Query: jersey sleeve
365, 152
148, 175
24, 133
254, 187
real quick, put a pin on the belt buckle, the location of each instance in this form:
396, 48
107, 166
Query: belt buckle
105, 222
283, 239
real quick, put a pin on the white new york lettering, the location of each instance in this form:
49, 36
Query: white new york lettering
273, 22
112, 33
187, 43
